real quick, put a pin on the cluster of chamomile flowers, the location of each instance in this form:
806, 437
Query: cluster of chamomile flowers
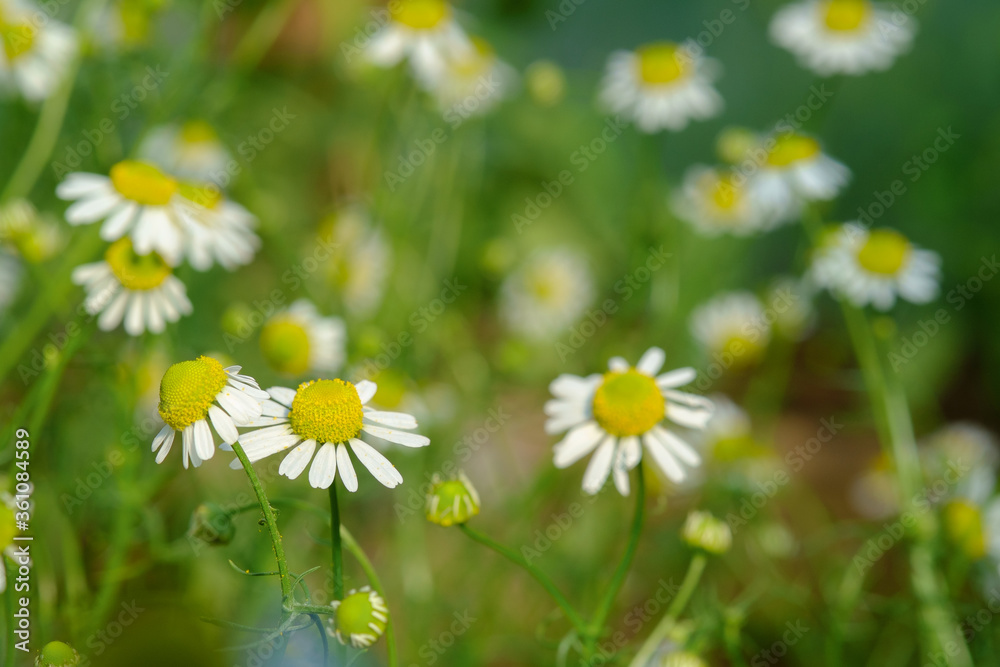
155, 213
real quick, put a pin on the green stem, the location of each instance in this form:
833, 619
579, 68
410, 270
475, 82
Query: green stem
336, 545
366, 565
604, 608
540, 577
662, 628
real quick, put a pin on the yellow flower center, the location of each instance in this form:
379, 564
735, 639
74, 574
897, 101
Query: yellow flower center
661, 63
285, 345
628, 403
8, 527
964, 526
790, 148
18, 38
188, 390
846, 15
725, 194
136, 272
326, 411
420, 14
744, 351
208, 195
884, 252
142, 182
198, 132
478, 61
737, 447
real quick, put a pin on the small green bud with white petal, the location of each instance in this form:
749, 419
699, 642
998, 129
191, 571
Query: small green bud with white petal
57, 654
360, 618
451, 501
703, 531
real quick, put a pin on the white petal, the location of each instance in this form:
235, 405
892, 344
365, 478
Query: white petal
324, 467
618, 364
366, 390
652, 361
579, 442
223, 424
282, 395
165, 446
204, 443
677, 447
600, 466
297, 460
379, 466
392, 419
399, 437
162, 436
676, 378
347, 474
663, 458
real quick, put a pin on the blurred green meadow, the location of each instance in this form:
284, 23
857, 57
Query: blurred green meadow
819, 570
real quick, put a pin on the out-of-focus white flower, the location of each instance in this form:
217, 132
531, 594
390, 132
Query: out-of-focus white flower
474, 81
795, 170
717, 201
33, 237
361, 259
216, 230
546, 82
875, 267
300, 340
547, 294
192, 150
661, 86
732, 325
36, 51
843, 36
425, 33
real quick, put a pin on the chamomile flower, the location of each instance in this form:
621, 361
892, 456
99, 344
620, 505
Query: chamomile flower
547, 294
192, 150
35, 55
215, 230
661, 86
33, 237
140, 289
876, 267
474, 81
327, 417
716, 201
795, 170
361, 259
967, 446
971, 521
135, 199
194, 393
733, 328
616, 415
425, 33
843, 36
360, 618
299, 339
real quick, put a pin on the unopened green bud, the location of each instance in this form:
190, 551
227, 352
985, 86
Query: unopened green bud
683, 659
57, 654
360, 618
452, 501
704, 531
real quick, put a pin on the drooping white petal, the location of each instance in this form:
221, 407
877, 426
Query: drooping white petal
663, 458
379, 466
579, 442
296, 461
677, 447
204, 443
392, 419
600, 466
347, 474
399, 437
223, 424
324, 467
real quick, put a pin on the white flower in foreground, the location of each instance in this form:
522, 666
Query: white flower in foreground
362, 258
547, 294
135, 199
716, 201
326, 417
732, 326
192, 150
423, 32
215, 229
617, 414
36, 51
661, 86
139, 289
875, 267
474, 81
194, 393
299, 339
843, 36
795, 171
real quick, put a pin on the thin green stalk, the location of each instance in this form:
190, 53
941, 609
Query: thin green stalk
366, 565
336, 545
604, 608
540, 577
277, 547
659, 633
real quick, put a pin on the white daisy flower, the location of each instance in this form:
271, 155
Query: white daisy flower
547, 294
215, 229
474, 81
733, 327
423, 32
192, 150
964, 444
194, 393
361, 260
299, 339
795, 171
661, 85
139, 289
716, 201
875, 267
971, 521
843, 36
616, 414
10, 278
37, 51
136, 199
327, 417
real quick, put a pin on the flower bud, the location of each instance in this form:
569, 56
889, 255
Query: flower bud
735, 144
683, 659
211, 524
452, 501
57, 654
360, 618
703, 531
546, 82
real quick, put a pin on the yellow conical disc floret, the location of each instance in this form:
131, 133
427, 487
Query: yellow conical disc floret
420, 14
791, 148
884, 252
326, 411
188, 390
628, 403
136, 272
661, 63
143, 183
285, 345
